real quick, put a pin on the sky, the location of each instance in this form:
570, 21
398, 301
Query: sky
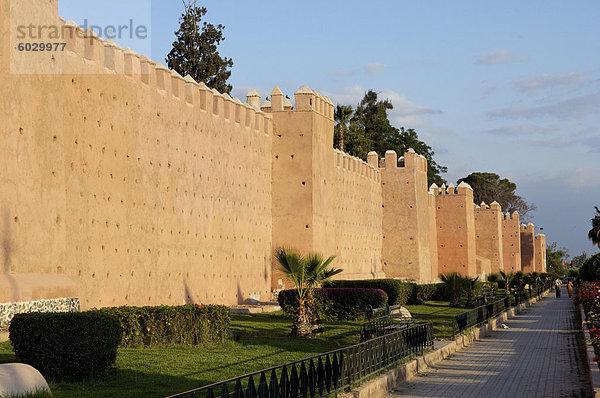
509, 87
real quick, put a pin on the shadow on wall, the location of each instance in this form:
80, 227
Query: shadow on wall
240, 295
187, 293
7, 253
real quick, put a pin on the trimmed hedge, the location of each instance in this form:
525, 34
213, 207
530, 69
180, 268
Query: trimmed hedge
399, 293
336, 304
188, 324
68, 346
442, 292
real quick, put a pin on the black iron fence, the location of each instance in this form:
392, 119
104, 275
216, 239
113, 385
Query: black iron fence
326, 374
523, 295
478, 315
482, 314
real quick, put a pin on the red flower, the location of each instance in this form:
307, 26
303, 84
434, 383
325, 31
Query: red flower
200, 306
595, 359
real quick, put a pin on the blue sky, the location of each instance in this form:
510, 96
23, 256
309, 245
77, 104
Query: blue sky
509, 87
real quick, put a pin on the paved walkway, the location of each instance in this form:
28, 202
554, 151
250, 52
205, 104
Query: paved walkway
536, 357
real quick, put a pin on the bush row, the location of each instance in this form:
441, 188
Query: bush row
402, 293
188, 324
74, 346
398, 292
333, 304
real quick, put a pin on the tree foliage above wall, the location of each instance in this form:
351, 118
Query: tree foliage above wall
489, 187
195, 52
555, 260
369, 129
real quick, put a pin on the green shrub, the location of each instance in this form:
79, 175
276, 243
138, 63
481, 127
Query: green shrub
188, 324
68, 346
399, 293
442, 291
336, 304
427, 290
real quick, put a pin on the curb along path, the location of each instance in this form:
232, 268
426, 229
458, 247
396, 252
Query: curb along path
537, 356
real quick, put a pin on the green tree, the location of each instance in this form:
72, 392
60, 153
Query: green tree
371, 130
590, 270
306, 273
594, 233
579, 260
195, 52
555, 259
489, 187
342, 117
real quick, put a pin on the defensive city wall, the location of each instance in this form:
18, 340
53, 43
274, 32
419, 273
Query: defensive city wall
125, 183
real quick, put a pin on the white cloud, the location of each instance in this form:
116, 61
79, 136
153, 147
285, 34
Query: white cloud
342, 72
374, 68
518, 130
405, 112
498, 57
572, 108
533, 84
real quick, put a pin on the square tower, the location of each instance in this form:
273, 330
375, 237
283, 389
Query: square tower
527, 248
302, 172
488, 235
407, 217
456, 229
511, 242
540, 253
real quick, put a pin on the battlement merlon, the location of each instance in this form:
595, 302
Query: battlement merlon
528, 227
514, 216
540, 236
493, 206
410, 159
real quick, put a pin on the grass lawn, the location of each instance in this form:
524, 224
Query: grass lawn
262, 341
157, 372
439, 314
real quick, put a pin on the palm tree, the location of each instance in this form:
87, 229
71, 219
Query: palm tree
469, 284
594, 233
455, 285
508, 277
342, 117
306, 273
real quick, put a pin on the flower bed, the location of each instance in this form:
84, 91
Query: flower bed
588, 295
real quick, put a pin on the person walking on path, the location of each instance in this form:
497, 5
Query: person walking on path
570, 288
557, 286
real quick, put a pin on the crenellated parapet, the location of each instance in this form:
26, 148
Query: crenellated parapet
86, 53
305, 98
463, 189
410, 160
356, 165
